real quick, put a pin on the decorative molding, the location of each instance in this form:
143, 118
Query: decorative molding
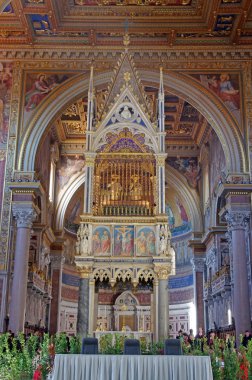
237, 219
24, 216
198, 264
43, 57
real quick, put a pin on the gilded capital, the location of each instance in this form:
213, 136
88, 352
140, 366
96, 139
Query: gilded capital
84, 272
163, 271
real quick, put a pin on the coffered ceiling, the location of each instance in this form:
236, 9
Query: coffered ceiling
102, 23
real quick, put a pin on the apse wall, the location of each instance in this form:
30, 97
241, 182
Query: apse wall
181, 286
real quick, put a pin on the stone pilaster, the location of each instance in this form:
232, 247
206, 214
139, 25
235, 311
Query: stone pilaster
237, 222
24, 216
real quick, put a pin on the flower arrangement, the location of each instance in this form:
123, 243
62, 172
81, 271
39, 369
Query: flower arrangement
32, 358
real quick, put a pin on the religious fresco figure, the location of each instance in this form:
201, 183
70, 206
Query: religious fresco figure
36, 94
124, 240
101, 241
96, 242
105, 242
151, 243
141, 243
170, 215
40, 87
182, 211
145, 241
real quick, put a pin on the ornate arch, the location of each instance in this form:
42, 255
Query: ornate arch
102, 274
202, 99
65, 198
124, 274
146, 274
215, 112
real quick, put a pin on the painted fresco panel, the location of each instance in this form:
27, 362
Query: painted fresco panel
39, 85
189, 167
101, 240
67, 167
226, 86
177, 213
217, 160
145, 241
124, 240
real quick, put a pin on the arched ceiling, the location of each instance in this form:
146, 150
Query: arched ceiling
103, 22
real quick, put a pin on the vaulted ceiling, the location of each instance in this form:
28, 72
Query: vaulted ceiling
161, 23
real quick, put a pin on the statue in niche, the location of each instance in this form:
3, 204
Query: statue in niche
83, 236
125, 114
115, 188
135, 188
164, 242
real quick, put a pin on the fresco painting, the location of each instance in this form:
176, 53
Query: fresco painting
189, 167
5, 97
145, 241
124, 240
226, 86
218, 161
177, 214
67, 168
101, 240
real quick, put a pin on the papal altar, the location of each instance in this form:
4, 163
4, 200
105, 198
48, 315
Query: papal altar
131, 367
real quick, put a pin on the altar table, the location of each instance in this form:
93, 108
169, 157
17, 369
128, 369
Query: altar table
131, 367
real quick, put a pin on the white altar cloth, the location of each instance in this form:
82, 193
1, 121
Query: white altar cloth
131, 367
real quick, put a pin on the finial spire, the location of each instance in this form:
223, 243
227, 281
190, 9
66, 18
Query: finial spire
126, 37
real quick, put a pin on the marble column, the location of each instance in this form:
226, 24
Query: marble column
24, 218
198, 264
237, 222
163, 309
83, 306
154, 315
92, 321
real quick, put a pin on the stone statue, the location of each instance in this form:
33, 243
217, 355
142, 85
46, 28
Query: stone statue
82, 246
164, 242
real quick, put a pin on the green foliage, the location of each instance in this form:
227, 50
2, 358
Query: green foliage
19, 357
75, 345
231, 364
249, 358
44, 357
60, 343
112, 344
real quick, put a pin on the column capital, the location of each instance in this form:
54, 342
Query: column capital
85, 272
90, 158
57, 261
24, 215
198, 264
160, 159
163, 271
237, 220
